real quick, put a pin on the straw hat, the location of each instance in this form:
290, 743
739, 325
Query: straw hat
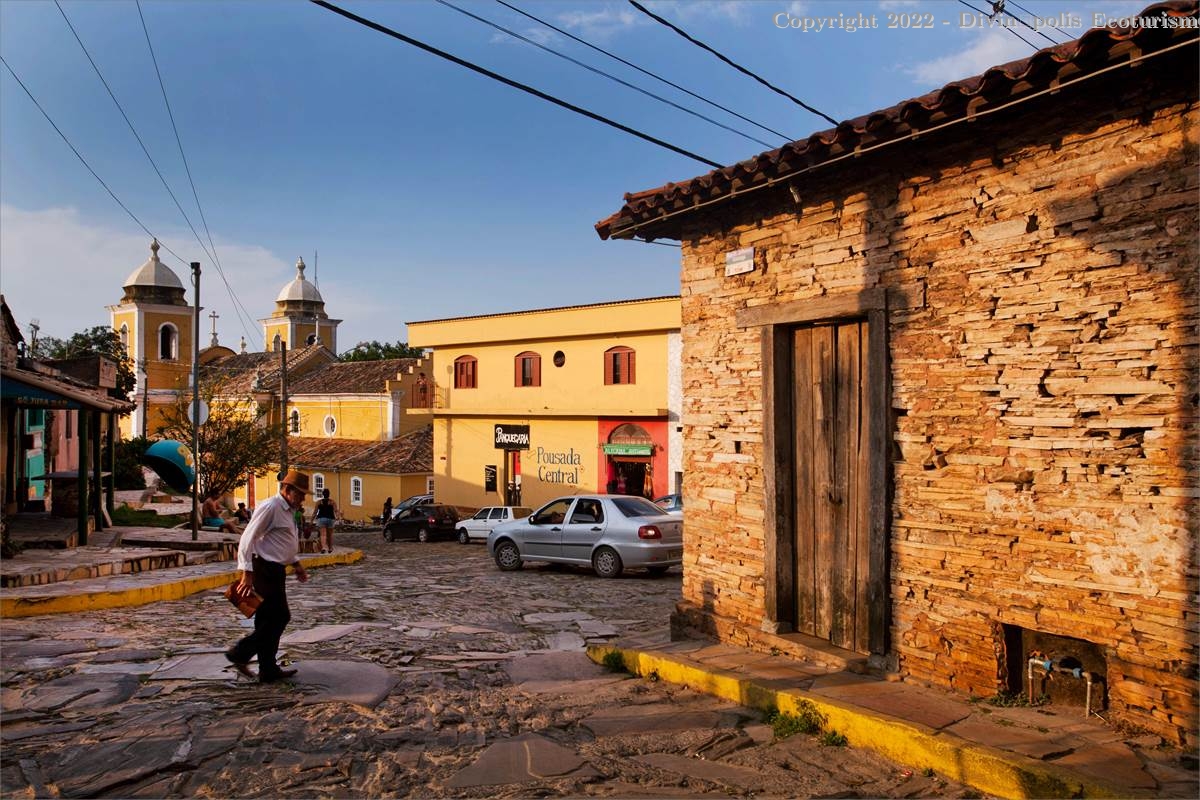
297, 480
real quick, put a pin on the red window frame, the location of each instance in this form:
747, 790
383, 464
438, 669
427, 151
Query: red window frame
465, 372
527, 369
620, 366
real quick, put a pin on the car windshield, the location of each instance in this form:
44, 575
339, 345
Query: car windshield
636, 507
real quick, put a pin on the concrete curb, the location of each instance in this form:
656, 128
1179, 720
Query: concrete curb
29, 605
995, 772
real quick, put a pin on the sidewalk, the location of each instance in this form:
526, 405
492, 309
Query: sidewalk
1004, 752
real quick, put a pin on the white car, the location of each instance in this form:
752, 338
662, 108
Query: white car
480, 525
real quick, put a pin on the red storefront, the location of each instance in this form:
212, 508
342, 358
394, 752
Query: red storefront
633, 456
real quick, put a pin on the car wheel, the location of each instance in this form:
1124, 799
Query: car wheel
388, 536
607, 563
656, 571
423, 535
508, 557
463, 536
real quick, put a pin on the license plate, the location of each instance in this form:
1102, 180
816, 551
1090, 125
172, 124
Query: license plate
674, 554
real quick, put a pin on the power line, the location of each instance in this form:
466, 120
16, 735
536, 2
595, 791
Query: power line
597, 71
731, 63
630, 64
1005, 27
83, 161
998, 8
509, 82
1030, 13
237, 304
131, 127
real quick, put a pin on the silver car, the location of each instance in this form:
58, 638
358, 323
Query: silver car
609, 532
480, 525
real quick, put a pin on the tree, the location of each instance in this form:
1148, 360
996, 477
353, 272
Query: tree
128, 471
100, 340
378, 351
237, 439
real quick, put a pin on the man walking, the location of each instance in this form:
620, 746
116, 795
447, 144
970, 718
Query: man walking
268, 545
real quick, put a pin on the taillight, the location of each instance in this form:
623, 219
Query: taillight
649, 532
433, 520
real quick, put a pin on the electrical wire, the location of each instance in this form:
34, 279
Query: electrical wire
998, 8
731, 63
1005, 27
131, 127
508, 81
597, 71
631, 65
83, 161
1030, 13
237, 303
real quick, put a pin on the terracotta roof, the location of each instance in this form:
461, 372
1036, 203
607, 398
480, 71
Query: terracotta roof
656, 212
241, 369
352, 377
404, 455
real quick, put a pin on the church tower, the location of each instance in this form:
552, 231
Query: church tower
154, 322
299, 318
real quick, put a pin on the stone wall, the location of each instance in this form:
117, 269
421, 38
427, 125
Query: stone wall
1044, 385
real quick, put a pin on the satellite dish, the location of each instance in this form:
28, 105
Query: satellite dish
173, 462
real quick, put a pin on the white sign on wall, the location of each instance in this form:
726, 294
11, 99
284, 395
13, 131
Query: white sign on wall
739, 261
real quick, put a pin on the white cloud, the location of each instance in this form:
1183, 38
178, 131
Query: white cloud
890, 5
604, 23
993, 47
63, 270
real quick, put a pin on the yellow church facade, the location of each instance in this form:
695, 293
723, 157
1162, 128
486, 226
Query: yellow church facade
532, 405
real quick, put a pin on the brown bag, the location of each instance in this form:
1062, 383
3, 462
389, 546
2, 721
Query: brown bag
246, 600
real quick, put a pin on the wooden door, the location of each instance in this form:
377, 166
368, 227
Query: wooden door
832, 482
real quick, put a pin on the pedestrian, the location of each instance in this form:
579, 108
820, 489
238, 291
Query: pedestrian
387, 511
210, 512
268, 545
324, 515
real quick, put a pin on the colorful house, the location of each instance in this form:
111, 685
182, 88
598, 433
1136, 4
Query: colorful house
535, 404
940, 370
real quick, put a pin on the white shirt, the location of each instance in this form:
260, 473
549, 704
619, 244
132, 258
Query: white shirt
270, 534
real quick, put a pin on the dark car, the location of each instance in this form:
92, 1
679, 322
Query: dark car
423, 523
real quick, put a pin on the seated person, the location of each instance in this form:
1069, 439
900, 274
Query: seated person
212, 514
242, 514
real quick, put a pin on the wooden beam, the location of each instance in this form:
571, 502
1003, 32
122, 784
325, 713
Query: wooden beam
878, 394
779, 529
850, 304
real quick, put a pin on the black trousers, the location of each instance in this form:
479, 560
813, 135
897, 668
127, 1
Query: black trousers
270, 620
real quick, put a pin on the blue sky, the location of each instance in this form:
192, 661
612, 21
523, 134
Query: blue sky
426, 190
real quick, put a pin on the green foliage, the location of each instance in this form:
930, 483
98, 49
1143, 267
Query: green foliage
1016, 700
807, 720
379, 351
236, 441
128, 472
833, 739
125, 516
99, 340
614, 661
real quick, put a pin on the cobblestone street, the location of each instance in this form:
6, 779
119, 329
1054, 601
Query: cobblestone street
423, 672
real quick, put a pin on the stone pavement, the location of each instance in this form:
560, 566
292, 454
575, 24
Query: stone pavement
1011, 752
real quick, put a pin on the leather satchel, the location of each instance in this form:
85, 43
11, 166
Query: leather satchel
247, 601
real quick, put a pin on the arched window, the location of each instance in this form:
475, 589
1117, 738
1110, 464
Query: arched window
527, 369
295, 420
330, 426
620, 365
311, 339
356, 491
318, 484
168, 342
276, 343
464, 372
125, 338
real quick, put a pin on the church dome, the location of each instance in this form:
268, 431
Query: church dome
154, 283
299, 289
153, 273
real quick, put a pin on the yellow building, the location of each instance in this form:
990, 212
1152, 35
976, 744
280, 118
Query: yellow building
299, 318
536, 404
155, 324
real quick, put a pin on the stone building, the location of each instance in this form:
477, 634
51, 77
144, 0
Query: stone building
940, 381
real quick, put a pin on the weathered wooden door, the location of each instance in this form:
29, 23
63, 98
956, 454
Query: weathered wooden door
832, 455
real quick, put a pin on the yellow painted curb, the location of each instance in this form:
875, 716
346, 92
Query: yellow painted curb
987, 769
32, 605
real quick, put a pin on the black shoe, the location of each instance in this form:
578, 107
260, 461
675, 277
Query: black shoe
242, 667
276, 675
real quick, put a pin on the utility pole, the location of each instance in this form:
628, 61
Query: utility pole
196, 403
283, 391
